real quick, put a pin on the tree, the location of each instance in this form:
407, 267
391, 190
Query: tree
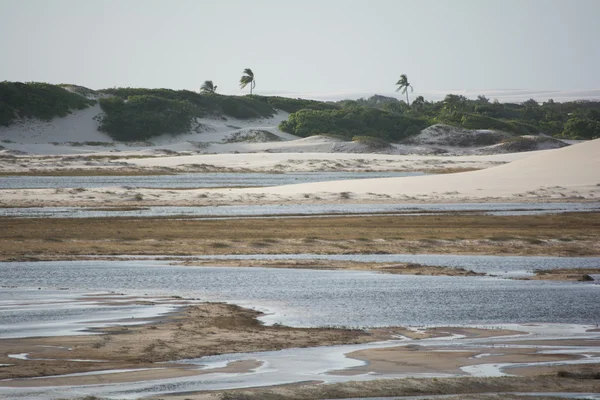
454, 103
208, 87
581, 128
404, 85
418, 103
248, 79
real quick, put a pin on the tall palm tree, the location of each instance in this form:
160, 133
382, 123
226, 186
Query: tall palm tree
404, 85
208, 87
248, 79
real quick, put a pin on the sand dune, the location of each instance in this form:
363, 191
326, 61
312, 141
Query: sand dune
570, 171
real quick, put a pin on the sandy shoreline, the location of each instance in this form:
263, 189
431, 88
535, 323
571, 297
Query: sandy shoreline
151, 351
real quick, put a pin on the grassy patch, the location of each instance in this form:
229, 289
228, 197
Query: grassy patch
26, 236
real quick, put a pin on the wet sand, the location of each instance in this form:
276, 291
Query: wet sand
196, 330
424, 360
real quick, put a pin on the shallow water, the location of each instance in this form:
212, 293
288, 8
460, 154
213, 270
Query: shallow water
204, 180
303, 364
302, 209
30, 303
315, 298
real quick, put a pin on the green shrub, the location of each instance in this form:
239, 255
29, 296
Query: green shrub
474, 121
360, 121
37, 100
582, 128
242, 107
139, 114
294, 105
245, 107
142, 117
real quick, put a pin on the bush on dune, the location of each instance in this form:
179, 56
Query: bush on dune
582, 128
143, 117
360, 121
294, 105
476, 121
140, 114
37, 100
243, 107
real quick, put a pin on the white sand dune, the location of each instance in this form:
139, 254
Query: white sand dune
77, 133
299, 160
567, 172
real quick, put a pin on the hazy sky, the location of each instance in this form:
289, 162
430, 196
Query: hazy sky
304, 46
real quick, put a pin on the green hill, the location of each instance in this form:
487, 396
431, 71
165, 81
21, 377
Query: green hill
140, 114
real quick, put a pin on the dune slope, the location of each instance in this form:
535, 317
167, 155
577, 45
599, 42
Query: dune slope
566, 172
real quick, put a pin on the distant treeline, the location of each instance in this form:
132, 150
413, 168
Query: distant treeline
140, 114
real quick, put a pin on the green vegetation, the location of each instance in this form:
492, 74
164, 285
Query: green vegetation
403, 85
142, 117
350, 122
37, 100
139, 114
248, 79
293, 105
208, 87
571, 120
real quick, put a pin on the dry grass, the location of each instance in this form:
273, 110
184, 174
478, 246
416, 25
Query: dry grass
470, 389
569, 234
565, 274
389, 268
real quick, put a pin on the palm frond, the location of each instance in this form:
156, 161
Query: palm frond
208, 87
249, 72
245, 80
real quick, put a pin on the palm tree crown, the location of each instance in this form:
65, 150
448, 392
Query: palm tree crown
208, 87
404, 85
248, 79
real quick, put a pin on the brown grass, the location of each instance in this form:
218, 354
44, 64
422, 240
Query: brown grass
469, 388
569, 234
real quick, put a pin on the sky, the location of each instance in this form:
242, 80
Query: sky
307, 48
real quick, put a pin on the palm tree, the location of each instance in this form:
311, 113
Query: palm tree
208, 87
248, 79
404, 85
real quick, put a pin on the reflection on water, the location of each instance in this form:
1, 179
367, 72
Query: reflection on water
203, 180
301, 209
